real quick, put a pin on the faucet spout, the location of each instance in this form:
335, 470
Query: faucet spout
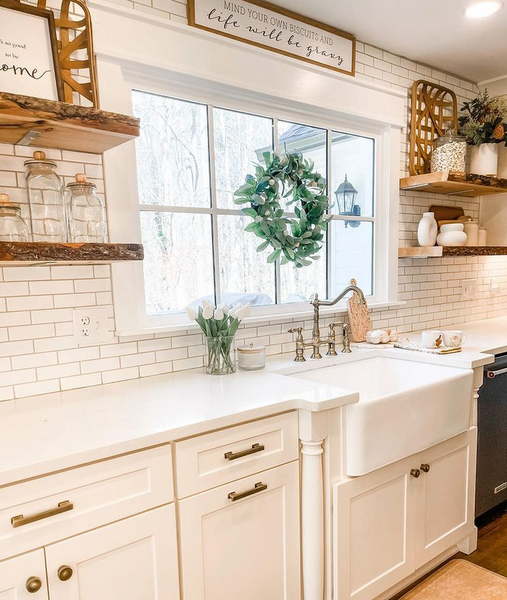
349, 288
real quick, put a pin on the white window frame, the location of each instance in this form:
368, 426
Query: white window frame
381, 118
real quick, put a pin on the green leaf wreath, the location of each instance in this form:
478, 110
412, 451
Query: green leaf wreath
289, 176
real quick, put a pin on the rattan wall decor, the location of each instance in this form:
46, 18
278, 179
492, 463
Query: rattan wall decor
75, 51
434, 109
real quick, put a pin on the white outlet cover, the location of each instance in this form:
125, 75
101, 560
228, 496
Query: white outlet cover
90, 326
469, 288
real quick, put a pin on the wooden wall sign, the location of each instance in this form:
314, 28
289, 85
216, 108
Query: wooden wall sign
268, 26
28, 51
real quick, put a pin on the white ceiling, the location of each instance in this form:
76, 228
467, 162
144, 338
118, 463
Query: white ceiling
434, 32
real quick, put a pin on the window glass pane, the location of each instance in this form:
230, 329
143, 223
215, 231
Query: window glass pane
298, 285
352, 256
245, 276
178, 265
172, 151
240, 140
353, 157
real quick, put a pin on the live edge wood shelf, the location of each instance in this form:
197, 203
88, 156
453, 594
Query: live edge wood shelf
437, 251
33, 253
455, 184
42, 123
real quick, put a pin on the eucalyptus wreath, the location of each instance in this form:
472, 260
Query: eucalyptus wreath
289, 176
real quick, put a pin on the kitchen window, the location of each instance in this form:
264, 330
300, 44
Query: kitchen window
191, 157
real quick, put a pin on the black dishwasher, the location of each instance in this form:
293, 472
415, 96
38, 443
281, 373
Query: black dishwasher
492, 441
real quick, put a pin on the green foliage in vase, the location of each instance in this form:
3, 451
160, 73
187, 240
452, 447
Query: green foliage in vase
290, 176
483, 120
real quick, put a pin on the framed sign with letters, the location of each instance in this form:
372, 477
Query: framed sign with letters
28, 51
267, 26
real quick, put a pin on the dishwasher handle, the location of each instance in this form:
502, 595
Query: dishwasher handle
493, 374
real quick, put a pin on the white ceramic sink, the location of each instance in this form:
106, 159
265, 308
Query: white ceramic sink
404, 407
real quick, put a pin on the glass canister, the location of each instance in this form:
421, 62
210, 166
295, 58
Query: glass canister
449, 153
12, 226
46, 199
87, 217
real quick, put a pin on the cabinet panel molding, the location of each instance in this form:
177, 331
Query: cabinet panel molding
15, 574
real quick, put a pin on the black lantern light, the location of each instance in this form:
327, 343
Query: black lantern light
346, 198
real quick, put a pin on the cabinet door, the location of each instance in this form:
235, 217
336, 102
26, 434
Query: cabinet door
247, 548
16, 573
446, 496
134, 559
373, 532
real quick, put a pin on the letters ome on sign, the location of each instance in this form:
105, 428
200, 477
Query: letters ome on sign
265, 25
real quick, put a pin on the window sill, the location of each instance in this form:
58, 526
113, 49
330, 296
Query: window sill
256, 320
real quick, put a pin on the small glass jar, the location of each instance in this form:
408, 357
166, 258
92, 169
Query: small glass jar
46, 200
251, 358
449, 153
12, 226
87, 217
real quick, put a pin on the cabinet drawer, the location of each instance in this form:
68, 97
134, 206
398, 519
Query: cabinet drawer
216, 458
60, 505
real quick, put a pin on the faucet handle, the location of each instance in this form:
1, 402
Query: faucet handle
298, 330
333, 325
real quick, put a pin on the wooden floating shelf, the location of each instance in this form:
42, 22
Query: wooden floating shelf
42, 123
455, 184
436, 251
33, 253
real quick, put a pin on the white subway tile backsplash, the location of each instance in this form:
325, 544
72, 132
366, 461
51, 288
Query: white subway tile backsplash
38, 352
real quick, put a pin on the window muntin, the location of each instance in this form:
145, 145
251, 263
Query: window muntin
216, 258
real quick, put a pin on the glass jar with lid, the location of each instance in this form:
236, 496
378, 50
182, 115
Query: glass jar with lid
12, 226
87, 217
46, 200
449, 153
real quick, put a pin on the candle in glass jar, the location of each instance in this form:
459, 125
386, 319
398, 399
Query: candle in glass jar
251, 358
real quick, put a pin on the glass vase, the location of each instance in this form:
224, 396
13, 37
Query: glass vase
220, 355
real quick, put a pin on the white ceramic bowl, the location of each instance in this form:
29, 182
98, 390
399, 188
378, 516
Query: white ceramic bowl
452, 227
452, 234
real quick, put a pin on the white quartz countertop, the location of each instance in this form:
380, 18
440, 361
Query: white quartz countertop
47, 433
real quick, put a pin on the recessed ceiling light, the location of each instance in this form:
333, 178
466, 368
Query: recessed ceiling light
478, 9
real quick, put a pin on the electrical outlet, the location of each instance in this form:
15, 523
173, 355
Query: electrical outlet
495, 288
469, 288
90, 326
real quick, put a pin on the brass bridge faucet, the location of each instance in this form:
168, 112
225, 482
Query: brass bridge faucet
316, 342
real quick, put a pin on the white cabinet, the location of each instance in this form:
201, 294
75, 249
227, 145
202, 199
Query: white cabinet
373, 530
134, 559
241, 540
23, 573
445, 496
392, 521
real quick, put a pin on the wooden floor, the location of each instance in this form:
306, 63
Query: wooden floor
491, 550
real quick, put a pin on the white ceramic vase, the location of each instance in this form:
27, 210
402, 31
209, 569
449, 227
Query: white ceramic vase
427, 230
484, 160
452, 234
502, 161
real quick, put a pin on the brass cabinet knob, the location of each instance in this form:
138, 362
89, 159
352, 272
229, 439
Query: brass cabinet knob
33, 584
415, 473
425, 467
65, 573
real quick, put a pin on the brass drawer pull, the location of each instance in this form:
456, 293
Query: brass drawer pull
415, 473
65, 573
425, 468
259, 487
62, 507
234, 455
33, 585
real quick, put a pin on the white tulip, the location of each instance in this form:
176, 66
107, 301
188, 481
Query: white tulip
191, 313
219, 314
207, 313
244, 312
225, 308
233, 310
206, 303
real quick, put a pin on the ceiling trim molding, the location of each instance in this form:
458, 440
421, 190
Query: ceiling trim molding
494, 80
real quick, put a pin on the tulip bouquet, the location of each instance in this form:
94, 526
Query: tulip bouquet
219, 325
